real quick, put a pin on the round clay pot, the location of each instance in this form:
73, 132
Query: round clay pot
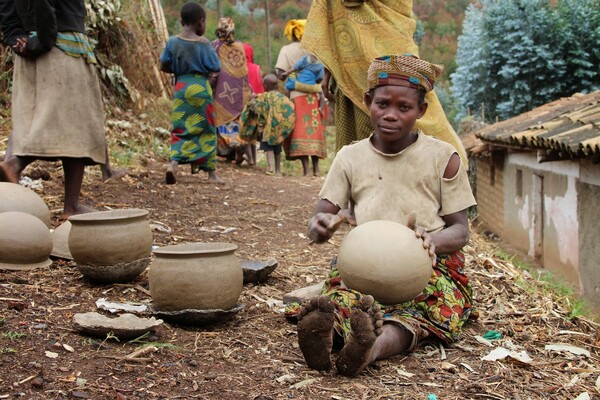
25, 241
14, 197
197, 276
386, 260
107, 238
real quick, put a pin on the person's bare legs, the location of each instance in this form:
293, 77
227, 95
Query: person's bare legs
370, 339
240, 154
253, 153
278, 164
270, 162
109, 173
249, 157
171, 176
315, 332
315, 165
304, 160
74, 169
12, 166
212, 177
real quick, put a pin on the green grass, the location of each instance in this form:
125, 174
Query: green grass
13, 336
146, 137
141, 340
549, 284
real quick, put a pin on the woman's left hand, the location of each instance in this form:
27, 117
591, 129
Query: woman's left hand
421, 233
428, 244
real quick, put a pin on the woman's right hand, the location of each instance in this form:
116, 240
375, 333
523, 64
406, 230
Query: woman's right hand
21, 46
321, 227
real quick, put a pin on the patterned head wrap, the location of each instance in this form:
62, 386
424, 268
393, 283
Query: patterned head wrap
225, 29
403, 70
294, 27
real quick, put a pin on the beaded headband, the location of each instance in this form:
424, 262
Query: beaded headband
403, 70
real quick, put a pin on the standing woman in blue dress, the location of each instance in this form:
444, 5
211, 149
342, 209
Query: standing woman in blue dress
194, 62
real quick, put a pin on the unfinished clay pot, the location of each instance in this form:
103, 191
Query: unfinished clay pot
110, 237
195, 276
25, 241
386, 260
60, 241
14, 197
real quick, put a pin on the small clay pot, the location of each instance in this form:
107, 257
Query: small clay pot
14, 197
195, 276
25, 241
107, 238
386, 260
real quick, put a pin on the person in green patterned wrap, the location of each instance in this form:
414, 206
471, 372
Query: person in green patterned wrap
193, 61
395, 172
269, 117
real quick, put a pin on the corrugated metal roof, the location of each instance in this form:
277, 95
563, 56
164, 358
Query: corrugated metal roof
570, 127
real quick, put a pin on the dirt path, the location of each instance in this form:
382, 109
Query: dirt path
255, 355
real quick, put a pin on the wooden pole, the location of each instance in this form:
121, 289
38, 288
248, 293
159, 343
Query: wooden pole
220, 8
268, 22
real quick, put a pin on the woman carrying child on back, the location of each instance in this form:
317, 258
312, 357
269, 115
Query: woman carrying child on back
192, 59
396, 171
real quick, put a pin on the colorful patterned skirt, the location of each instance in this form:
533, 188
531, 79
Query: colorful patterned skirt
308, 137
441, 310
193, 136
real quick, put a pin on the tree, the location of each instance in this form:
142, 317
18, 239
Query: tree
514, 55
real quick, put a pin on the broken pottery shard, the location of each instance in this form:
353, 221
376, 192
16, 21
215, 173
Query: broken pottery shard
114, 307
125, 326
258, 271
305, 293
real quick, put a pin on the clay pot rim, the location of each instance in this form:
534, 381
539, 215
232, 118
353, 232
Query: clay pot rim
109, 215
196, 248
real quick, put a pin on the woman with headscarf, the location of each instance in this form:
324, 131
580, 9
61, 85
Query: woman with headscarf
254, 75
346, 35
308, 139
232, 90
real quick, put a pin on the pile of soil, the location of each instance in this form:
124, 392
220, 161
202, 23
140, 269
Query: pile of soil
255, 354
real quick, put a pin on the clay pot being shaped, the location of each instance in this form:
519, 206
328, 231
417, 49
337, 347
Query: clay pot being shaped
14, 197
25, 241
196, 276
111, 246
386, 260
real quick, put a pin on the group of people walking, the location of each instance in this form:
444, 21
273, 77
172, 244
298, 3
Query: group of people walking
217, 90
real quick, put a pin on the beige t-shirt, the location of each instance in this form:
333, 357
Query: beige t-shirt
288, 56
390, 186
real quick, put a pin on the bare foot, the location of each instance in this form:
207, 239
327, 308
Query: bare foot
109, 174
7, 174
366, 322
315, 332
80, 209
171, 173
212, 177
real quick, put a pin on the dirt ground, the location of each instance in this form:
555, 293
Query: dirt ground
255, 355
